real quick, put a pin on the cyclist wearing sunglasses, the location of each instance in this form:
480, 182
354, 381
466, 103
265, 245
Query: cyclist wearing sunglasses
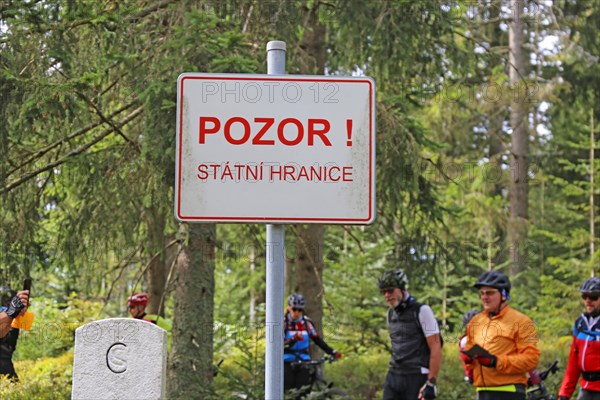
584, 357
534, 375
508, 340
416, 342
298, 330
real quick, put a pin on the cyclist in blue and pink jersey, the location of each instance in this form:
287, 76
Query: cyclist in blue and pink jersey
298, 331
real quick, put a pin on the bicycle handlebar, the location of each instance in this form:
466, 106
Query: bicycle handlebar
315, 362
552, 369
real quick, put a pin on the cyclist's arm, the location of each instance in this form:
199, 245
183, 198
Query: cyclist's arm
435, 355
572, 372
314, 335
470, 342
429, 324
527, 355
431, 331
288, 343
5, 322
321, 343
289, 340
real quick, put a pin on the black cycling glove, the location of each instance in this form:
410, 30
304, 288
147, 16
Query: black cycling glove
15, 307
428, 391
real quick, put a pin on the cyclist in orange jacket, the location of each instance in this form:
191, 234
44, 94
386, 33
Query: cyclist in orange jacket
508, 339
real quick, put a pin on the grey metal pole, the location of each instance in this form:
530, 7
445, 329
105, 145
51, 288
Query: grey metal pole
275, 270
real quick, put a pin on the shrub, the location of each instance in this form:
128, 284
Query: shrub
362, 375
53, 329
47, 379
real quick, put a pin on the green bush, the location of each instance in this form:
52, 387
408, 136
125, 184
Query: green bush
53, 329
47, 379
362, 375
243, 366
44, 355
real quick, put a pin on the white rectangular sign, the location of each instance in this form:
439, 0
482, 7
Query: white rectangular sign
275, 149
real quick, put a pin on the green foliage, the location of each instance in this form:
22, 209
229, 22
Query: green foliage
104, 79
237, 247
54, 327
361, 375
356, 308
243, 368
557, 308
46, 379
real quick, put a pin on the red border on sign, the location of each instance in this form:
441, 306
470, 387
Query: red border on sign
278, 219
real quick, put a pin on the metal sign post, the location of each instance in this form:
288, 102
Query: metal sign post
275, 270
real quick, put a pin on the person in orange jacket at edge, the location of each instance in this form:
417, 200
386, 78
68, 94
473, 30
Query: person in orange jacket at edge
15, 306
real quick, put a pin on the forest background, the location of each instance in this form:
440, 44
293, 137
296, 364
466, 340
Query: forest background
486, 122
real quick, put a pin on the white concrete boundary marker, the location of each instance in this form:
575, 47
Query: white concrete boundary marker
119, 359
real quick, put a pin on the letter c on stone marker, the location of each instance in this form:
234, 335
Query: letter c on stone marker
115, 358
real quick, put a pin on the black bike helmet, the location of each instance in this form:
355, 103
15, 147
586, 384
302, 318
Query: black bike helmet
468, 316
296, 300
495, 279
590, 285
392, 278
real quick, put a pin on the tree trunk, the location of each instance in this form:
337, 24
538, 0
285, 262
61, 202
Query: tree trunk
496, 146
310, 239
519, 164
190, 371
311, 52
156, 274
309, 271
253, 296
592, 190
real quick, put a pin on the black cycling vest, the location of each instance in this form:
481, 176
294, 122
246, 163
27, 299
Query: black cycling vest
410, 352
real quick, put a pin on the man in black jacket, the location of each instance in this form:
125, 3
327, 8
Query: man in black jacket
416, 342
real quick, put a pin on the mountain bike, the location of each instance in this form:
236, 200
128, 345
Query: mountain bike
319, 388
539, 391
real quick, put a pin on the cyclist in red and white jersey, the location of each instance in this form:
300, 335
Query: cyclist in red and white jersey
584, 357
